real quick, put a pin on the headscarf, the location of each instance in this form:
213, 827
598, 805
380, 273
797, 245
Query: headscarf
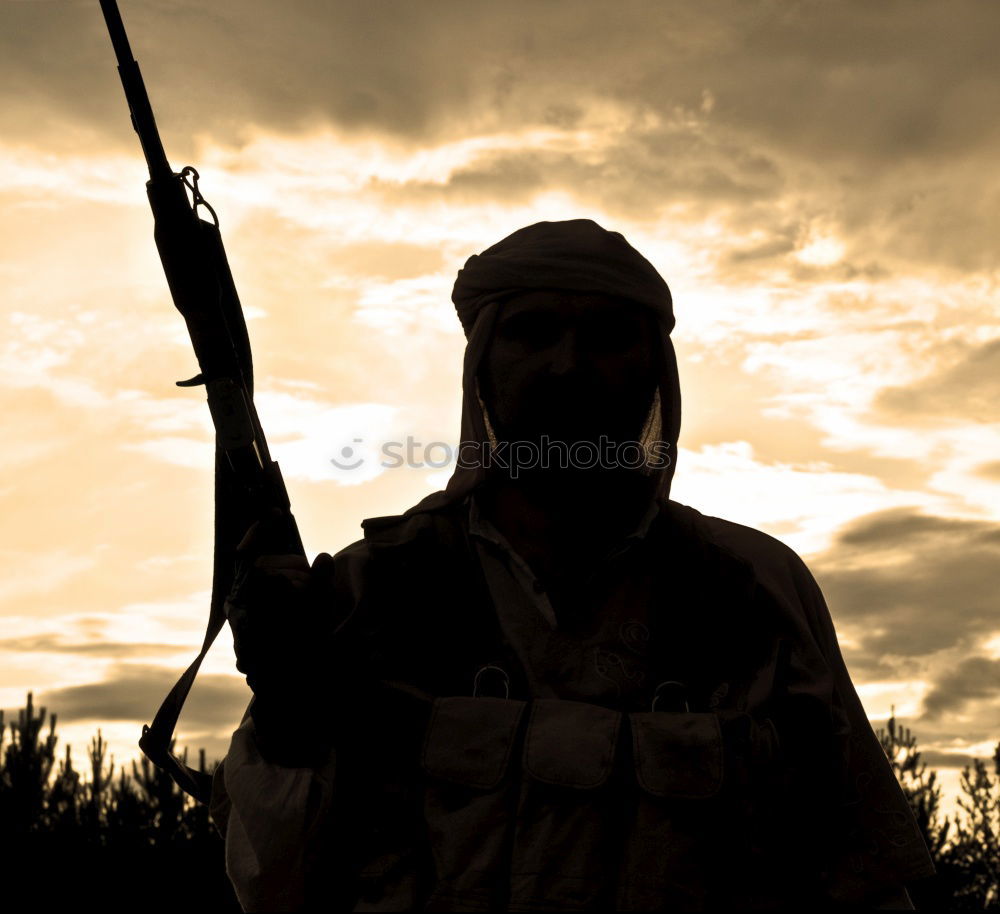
575, 255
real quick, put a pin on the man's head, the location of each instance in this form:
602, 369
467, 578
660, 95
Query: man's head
570, 365
568, 329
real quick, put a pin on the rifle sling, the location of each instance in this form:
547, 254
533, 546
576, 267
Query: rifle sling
157, 739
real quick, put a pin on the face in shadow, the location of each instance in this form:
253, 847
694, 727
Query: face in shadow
574, 366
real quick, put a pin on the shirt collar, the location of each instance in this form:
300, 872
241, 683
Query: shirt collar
480, 525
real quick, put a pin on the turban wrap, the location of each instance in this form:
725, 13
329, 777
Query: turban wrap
576, 255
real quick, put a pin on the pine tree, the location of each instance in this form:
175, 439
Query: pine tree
27, 764
62, 806
122, 842
920, 787
968, 863
975, 850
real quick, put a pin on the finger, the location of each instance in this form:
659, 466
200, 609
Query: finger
249, 537
297, 579
290, 561
324, 567
269, 525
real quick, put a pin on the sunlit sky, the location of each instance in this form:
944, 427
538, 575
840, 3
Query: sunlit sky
818, 183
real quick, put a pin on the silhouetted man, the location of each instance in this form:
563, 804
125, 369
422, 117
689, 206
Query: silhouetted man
549, 686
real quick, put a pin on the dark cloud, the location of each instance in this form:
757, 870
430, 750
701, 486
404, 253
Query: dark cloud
54, 644
188, 746
968, 389
635, 176
855, 107
975, 678
915, 592
781, 242
133, 692
909, 585
934, 759
890, 82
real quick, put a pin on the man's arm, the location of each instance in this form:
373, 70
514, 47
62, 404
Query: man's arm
269, 800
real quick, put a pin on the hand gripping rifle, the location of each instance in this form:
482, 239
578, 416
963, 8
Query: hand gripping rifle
247, 482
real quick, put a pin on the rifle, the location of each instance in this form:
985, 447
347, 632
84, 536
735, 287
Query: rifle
248, 483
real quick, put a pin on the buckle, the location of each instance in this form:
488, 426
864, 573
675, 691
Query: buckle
494, 676
671, 692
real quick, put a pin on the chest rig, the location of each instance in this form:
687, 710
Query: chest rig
457, 790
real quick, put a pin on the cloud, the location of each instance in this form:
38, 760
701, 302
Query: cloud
912, 596
46, 644
936, 759
989, 470
30, 574
798, 501
817, 181
803, 71
966, 389
133, 692
385, 260
975, 679
622, 163
842, 111
905, 586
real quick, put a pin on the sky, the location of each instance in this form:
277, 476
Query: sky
817, 182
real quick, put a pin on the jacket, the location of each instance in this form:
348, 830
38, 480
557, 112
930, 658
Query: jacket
751, 788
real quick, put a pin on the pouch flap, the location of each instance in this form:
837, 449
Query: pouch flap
677, 754
469, 740
570, 743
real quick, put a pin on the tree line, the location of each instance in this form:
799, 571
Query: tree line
133, 839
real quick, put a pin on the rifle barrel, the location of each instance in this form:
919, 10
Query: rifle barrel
136, 95
116, 28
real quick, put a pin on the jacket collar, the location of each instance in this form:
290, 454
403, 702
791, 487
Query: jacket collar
666, 523
480, 525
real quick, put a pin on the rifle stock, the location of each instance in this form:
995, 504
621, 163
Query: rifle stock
248, 481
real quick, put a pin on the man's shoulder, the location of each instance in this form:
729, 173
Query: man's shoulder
390, 530
771, 559
361, 565
352, 552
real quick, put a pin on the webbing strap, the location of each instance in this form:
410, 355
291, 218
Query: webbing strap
157, 738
